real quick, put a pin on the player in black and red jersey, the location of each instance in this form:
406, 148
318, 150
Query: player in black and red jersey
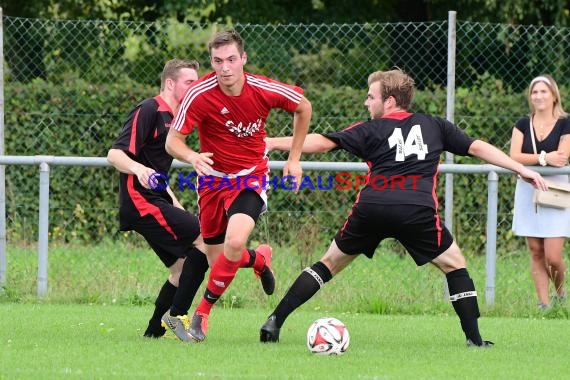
228, 108
404, 148
148, 206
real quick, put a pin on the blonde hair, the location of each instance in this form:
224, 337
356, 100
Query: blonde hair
172, 69
557, 111
395, 83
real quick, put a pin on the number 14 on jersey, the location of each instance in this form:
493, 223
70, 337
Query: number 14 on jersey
414, 143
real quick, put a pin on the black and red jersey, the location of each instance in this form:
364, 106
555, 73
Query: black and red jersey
403, 152
142, 138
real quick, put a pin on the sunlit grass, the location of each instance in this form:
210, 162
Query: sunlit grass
53, 341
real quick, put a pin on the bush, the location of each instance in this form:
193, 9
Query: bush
55, 119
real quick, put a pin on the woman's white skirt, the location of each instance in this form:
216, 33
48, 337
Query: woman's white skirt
538, 221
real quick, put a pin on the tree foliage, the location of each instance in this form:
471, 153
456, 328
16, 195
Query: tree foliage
535, 12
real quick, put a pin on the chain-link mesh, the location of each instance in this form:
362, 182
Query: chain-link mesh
70, 84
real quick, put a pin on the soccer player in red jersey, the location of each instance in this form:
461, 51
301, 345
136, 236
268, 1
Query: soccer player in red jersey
229, 107
396, 143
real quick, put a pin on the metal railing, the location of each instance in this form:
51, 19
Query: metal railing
60, 51
45, 162
46, 64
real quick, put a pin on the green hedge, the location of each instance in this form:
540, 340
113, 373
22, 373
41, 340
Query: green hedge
55, 119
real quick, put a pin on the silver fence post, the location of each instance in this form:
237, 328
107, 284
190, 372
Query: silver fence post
43, 229
3, 254
491, 254
450, 114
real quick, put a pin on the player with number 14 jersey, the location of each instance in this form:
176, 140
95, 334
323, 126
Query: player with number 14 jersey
403, 151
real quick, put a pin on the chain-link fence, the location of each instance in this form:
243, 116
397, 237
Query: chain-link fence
70, 84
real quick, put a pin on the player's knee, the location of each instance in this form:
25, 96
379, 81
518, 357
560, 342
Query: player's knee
235, 243
455, 261
459, 261
450, 260
174, 278
199, 243
336, 262
175, 271
329, 263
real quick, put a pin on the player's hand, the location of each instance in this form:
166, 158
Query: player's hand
533, 178
202, 163
556, 158
143, 174
294, 170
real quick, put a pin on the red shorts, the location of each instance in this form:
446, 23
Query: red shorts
216, 195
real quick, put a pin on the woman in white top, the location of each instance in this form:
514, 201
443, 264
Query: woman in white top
545, 228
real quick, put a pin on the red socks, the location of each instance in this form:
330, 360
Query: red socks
258, 262
221, 275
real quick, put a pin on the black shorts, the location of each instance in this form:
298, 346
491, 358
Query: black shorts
171, 234
418, 228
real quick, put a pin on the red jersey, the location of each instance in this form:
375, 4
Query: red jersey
233, 127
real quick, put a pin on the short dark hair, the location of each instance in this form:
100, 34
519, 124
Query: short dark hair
173, 67
226, 37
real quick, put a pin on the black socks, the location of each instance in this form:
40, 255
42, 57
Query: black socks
162, 304
193, 273
305, 286
464, 300
178, 299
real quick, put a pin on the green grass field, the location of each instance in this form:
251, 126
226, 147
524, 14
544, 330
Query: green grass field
122, 274
100, 298
104, 342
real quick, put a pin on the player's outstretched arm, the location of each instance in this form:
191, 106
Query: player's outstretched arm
314, 143
495, 156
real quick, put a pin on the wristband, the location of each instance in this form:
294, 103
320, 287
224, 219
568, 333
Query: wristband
542, 158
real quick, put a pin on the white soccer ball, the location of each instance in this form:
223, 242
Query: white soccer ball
328, 336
